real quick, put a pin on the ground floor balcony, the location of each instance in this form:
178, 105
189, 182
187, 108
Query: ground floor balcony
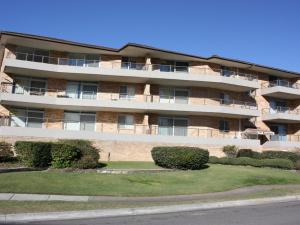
283, 142
87, 126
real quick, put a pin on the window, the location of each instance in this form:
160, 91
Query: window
172, 126
225, 71
125, 122
173, 95
127, 92
224, 126
27, 118
81, 90
174, 66
31, 86
79, 121
225, 99
128, 63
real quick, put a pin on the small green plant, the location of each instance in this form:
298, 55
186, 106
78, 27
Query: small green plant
180, 157
230, 151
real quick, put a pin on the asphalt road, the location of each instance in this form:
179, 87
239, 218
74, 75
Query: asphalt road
271, 214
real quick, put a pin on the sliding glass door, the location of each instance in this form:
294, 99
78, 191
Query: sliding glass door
173, 95
172, 126
79, 121
81, 90
27, 118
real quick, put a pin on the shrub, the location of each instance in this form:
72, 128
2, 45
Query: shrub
248, 153
89, 155
278, 163
230, 151
297, 165
280, 155
64, 155
6, 153
180, 157
245, 161
34, 154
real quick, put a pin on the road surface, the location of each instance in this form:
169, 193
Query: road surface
269, 214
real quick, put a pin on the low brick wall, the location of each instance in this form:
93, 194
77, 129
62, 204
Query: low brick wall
122, 150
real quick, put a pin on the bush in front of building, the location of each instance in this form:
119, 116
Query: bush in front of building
245, 161
34, 154
248, 153
64, 155
6, 153
180, 157
230, 151
294, 157
89, 155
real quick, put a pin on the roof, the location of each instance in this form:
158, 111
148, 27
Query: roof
212, 58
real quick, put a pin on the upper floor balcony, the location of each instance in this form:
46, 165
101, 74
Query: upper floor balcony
124, 102
281, 89
281, 115
117, 71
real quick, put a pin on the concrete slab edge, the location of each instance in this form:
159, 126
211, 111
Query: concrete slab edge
31, 217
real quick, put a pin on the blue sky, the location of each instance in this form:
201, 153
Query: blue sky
260, 31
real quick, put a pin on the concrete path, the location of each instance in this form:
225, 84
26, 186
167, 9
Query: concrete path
200, 208
173, 198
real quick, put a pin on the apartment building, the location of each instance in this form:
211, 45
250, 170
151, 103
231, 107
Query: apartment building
130, 99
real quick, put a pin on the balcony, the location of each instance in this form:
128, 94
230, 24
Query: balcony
281, 89
79, 69
90, 101
14, 125
281, 115
286, 142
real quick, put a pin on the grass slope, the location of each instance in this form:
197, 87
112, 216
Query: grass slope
214, 179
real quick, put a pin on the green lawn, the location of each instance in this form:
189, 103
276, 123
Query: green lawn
215, 178
55, 206
131, 165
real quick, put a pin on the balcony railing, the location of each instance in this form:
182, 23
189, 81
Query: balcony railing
133, 66
280, 83
279, 109
51, 123
24, 90
57, 60
285, 138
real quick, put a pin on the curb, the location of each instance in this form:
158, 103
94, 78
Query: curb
30, 217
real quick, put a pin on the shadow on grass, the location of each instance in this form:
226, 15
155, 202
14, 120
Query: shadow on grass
101, 165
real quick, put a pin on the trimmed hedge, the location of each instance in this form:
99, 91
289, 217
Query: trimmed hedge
245, 161
89, 155
6, 153
280, 155
179, 157
248, 153
34, 154
64, 155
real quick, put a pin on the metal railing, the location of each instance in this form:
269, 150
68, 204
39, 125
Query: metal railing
134, 66
57, 60
281, 83
280, 109
285, 138
52, 123
24, 90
